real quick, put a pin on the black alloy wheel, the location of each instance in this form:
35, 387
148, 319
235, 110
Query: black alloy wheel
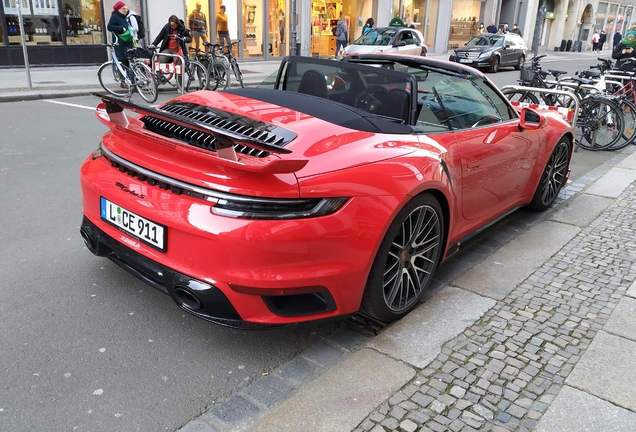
406, 261
553, 177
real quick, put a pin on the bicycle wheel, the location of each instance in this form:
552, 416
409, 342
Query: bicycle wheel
237, 72
146, 82
523, 96
111, 79
208, 65
222, 72
599, 124
196, 77
629, 134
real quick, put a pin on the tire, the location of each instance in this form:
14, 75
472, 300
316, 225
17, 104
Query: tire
108, 81
146, 83
220, 73
237, 73
424, 52
553, 177
494, 67
208, 64
196, 77
406, 260
522, 61
521, 96
629, 132
600, 123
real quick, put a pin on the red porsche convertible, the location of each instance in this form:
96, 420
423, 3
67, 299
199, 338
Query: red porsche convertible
339, 190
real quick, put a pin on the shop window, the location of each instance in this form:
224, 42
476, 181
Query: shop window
277, 43
464, 23
324, 18
45, 24
82, 21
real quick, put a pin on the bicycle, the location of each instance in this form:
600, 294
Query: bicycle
121, 81
234, 63
217, 65
535, 76
191, 76
611, 84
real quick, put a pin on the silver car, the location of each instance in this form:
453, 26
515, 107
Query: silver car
400, 40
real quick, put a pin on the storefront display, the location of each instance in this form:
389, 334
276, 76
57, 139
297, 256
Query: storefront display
464, 22
324, 20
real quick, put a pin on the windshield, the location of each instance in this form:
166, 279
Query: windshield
486, 40
377, 37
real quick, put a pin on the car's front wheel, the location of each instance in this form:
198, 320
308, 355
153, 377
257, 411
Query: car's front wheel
494, 67
522, 61
406, 261
553, 177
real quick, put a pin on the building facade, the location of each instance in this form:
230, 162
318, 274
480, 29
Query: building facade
72, 32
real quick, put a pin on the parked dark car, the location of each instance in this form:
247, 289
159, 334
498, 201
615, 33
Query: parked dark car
492, 51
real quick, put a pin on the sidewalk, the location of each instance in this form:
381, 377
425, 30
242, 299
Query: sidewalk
57, 82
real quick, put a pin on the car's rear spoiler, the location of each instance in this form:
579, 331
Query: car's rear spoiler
110, 112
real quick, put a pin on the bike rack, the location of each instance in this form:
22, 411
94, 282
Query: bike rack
567, 93
181, 61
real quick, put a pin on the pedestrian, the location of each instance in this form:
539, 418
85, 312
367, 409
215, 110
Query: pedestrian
222, 28
516, 29
625, 50
341, 35
198, 25
120, 29
133, 20
617, 38
167, 42
505, 29
481, 29
492, 28
368, 26
601, 40
595, 38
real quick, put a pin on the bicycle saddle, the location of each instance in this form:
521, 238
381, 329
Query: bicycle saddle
556, 73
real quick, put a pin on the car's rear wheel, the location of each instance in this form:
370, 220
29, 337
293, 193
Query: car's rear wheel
494, 67
406, 260
522, 61
553, 177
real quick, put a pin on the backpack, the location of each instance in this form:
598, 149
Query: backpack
141, 33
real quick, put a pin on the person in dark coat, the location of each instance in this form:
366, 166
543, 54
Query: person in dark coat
601, 40
492, 28
617, 38
122, 35
624, 50
166, 41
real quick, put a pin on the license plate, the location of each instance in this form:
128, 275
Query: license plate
139, 227
465, 61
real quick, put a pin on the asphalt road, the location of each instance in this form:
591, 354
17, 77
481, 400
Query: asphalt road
84, 345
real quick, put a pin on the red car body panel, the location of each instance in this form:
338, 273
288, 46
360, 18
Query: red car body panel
378, 173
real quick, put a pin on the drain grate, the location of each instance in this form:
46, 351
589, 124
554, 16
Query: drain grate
366, 325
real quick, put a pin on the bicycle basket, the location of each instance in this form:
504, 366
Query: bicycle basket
527, 74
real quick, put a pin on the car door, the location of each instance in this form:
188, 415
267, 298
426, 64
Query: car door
410, 41
509, 54
496, 157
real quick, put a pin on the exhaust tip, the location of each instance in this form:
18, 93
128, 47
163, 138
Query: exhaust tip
186, 298
86, 236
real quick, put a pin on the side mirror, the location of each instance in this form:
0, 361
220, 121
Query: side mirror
399, 44
530, 119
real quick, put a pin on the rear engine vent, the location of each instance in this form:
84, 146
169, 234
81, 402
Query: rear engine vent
237, 124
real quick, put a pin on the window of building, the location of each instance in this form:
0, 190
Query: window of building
45, 24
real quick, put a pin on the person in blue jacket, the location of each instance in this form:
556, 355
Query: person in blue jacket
120, 28
369, 25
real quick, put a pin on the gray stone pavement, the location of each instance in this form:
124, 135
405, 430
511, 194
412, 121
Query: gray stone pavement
530, 327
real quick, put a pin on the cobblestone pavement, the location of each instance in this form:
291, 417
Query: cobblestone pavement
503, 372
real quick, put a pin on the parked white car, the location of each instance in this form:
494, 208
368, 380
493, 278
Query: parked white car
400, 40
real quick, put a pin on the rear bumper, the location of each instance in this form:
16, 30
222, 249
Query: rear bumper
198, 298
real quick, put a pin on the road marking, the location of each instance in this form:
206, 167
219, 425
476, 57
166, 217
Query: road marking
92, 108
